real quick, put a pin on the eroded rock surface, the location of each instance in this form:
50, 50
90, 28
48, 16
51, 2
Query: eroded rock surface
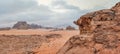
99, 33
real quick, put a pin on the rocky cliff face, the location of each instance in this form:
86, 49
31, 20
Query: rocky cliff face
99, 33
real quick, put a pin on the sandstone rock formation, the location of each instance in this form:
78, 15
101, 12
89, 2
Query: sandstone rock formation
25, 25
21, 25
70, 28
99, 33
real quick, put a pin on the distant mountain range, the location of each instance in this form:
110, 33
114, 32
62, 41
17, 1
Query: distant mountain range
25, 25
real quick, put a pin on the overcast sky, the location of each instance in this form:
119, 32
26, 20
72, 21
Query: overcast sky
48, 12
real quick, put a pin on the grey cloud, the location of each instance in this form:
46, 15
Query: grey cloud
64, 4
13, 6
73, 13
12, 11
68, 17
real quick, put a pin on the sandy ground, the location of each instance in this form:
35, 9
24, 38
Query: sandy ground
46, 48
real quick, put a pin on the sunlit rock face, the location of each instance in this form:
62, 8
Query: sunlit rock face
99, 33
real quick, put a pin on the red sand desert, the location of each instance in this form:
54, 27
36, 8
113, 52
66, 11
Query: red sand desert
50, 47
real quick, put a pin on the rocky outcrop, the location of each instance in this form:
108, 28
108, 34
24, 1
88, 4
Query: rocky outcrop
34, 26
70, 28
5, 28
99, 33
25, 25
21, 25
